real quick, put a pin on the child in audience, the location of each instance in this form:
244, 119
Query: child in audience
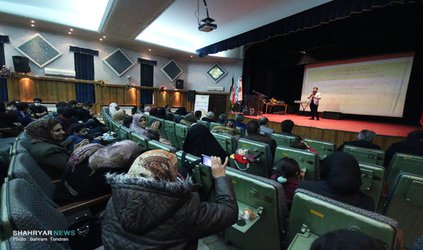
288, 173
78, 133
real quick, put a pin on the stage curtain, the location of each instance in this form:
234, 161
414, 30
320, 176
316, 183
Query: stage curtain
3, 81
147, 79
311, 18
84, 69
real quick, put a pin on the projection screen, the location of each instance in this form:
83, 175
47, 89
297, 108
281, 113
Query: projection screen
365, 86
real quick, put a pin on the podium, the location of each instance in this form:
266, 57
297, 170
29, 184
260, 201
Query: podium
255, 104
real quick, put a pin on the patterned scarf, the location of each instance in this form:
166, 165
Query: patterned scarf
155, 164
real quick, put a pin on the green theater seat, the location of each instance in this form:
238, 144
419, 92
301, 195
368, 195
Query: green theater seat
405, 204
283, 140
214, 124
323, 148
227, 142
404, 163
181, 131
123, 133
153, 144
372, 178
171, 133
263, 164
267, 199
140, 140
306, 159
366, 155
313, 215
204, 123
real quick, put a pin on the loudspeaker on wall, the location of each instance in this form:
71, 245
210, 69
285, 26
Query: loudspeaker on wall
21, 64
179, 84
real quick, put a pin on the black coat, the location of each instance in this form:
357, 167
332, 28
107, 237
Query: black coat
149, 214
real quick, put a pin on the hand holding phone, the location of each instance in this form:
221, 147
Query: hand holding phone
206, 160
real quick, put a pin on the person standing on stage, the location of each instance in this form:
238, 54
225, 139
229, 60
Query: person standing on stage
314, 99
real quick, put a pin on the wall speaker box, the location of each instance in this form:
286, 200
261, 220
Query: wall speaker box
21, 64
179, 84
332, 115
191, 95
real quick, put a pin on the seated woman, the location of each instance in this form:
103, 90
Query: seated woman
340, 180
113, 107
139, 126
46, 149
229, 128
151, 208
85, 171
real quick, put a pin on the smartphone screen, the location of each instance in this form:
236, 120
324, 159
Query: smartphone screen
206, 160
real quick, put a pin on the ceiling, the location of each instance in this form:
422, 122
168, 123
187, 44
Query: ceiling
172, 22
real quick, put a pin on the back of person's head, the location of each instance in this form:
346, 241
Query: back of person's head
239, 117
198, 114
161, 112
366, 135
263, 120
210, 115
341, 172
181, 111
73, 103
21, 106
38, 99
155, 164
61, 104
76, 127
287, 167
287, 126
416, 135
300, 144
346, 240
253, 127
153, 111
170, 116
221, 118
68, 112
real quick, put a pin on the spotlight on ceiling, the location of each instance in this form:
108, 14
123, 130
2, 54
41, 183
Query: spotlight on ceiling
206, 24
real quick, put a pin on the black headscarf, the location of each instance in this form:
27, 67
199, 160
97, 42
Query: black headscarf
200, 141
341, 172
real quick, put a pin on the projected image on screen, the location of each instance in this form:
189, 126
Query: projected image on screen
366, 86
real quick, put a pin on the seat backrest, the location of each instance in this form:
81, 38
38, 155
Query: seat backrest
307, 160
171, 133
23, 166
114, 126
140, 140
153, 144
283, 140
161, 130
214, 124
405, 204
366, 155
20, 146
267, 199
315, 215
323, 148
227, 142
404, 163
123, 133
204, 123
181, 131
372, 180
263, 164
25, 208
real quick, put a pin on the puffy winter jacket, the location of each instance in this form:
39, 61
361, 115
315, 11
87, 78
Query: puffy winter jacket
148, 214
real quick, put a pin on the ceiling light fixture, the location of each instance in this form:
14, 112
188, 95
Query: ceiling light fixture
32, 25
101, 39
206, 24
32, 21
70, 29
70, 33
104, 37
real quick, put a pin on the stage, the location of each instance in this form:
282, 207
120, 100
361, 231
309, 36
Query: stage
339, 131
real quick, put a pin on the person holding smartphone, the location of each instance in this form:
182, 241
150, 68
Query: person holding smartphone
151, 208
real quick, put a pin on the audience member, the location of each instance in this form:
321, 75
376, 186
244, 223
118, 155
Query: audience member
113, 107
119, 116
209, 117
79, 133
263, 126
253, 130
170, 116
37, 109
46, 136
139, 126
198, 114
200, 141
24, 117
9, 125
365, 140
228, 128
188, 119
413, 144
181, 111
346, 240
300, 144
151, 209
288, 173
84, 177
286, 128
340, 180
66, 117
221, 118
238, 120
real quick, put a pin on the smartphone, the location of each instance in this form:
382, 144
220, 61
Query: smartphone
206, 160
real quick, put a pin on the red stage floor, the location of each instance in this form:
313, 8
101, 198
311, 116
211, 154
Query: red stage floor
343, 125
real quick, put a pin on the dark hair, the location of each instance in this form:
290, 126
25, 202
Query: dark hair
347, 240
239, 117
198, 114
170, 117
221, 118
73, 102
76, 127
253, 127
161, 112
415, 135
263, 120
181, 111
21, 106
299, 144
287, 126
232, 121
287, 167
366, 135
38, 99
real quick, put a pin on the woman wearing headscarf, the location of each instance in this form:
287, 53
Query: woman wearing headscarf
227, 128
151, 208
139, 126
46, 149
199, 141
113, 107
84, 177
340, 180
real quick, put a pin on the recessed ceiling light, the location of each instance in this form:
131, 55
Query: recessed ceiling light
32, 21
191, 56
149, 49
70, 29
32, 25
104, 37
70, 33
101, 39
